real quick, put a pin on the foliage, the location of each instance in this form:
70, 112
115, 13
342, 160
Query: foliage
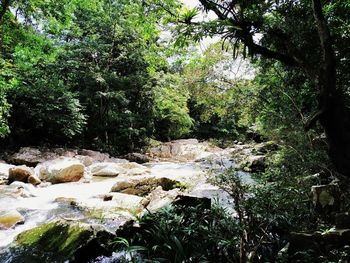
102, 55
193, 234
218, 92
172, 119
6, 81
109, 72
46, 111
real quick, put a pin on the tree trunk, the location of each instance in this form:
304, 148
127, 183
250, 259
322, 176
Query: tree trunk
334, 114
4, 6
336, 123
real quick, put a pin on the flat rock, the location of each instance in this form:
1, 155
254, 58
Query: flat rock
144, 186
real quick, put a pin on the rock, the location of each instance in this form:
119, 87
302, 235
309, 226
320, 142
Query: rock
20, 173
61, 152
159, 198
106, 169
95, 155
182, 150
107, 197
134, 169
336, 238
23, 190
253, 134
86, 160
66, 200
9, 219
61, 171
193, 201
34, 180
127, 202
303, 242
144, 186
117, 160
32, 156
342, 220
63, 241
266, 147
118, 204
325, 197
27, 156
333, 239
138, 158
254, 163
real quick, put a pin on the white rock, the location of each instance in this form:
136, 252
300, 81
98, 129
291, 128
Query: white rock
106, 169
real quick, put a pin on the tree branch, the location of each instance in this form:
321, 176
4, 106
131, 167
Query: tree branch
243, 32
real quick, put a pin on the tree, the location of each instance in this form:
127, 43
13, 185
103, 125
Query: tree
307, 36
172, 120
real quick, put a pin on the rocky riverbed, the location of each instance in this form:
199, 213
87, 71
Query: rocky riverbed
64, 187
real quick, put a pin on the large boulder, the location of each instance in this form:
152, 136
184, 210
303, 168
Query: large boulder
9, 219
182, 150
61, 171
106, 169
95, 155
316, 242
144, 186
20, 173
33, 156
63, 241
27, 156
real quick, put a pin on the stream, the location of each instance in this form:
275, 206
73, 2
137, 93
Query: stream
39, 205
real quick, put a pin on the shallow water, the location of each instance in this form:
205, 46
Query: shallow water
40, 205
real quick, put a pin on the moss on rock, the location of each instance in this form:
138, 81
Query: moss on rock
66, 240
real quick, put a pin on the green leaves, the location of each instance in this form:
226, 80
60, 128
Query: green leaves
171, 112
187, 234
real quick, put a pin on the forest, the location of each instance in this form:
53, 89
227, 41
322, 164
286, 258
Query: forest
174, 131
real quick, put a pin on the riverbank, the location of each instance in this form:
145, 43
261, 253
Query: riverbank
110, 192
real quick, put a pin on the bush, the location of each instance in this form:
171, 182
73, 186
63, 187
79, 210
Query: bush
172, 120
187, 234
44, 112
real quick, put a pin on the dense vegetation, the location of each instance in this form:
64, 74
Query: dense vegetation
80, 73
100, 74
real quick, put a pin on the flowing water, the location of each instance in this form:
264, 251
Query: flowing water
38, 204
